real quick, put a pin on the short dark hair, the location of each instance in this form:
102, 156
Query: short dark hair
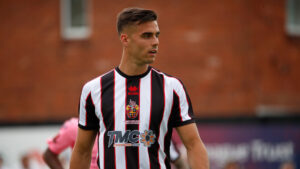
130, 16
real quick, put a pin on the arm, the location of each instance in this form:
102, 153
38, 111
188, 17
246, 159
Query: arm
197, 155
81, 155
52, 160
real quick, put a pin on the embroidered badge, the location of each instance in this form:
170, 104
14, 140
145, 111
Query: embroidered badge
132, 109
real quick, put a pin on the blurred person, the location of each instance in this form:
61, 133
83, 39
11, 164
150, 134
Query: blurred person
25, 161
2, 166
1, 161
134, 107
65, 138
287, 165
32, 160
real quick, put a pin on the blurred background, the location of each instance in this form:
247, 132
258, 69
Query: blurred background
239, 60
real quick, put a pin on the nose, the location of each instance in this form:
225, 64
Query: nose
155, 41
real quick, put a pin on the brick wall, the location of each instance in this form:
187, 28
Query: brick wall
233, 56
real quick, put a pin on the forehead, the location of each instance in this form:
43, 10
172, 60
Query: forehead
151, 26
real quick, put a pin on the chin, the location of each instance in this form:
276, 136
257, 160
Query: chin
150, 61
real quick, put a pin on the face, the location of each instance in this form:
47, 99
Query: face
141, 42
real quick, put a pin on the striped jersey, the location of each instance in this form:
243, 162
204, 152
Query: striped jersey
134, 116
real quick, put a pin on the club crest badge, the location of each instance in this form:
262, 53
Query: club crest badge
132, 109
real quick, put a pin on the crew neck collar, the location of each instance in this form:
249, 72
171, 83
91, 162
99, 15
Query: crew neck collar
134, 76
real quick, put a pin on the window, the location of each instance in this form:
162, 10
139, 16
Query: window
75, 19
293, 17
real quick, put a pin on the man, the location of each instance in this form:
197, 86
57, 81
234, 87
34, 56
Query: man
64, 139
134, 107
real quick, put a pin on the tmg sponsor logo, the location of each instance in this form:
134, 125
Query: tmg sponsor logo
131, 138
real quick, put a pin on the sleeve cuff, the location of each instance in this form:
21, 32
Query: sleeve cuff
88, 127
184, 123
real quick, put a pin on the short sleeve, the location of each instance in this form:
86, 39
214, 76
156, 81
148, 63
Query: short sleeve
87, 117
182, 110
65, 138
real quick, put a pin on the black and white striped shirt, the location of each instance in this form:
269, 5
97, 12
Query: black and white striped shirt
134, 116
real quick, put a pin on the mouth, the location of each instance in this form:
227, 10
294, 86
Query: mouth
153, 51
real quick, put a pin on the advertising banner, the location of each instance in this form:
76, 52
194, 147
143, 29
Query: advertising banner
251, 146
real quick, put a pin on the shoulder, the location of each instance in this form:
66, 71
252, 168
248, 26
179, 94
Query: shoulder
169, 79
92, 83
95, 82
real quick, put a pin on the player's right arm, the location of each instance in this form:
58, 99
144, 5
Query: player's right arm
81, 155
88, 125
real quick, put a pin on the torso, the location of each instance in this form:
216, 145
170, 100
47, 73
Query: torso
136, 116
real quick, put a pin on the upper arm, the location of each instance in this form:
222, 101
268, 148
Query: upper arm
85, 140
189, 135
82, 152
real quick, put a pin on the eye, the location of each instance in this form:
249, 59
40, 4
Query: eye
147, 35
157, 34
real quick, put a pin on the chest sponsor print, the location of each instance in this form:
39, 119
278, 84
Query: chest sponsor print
131, 138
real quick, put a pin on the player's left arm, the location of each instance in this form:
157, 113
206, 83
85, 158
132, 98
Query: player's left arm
196, 151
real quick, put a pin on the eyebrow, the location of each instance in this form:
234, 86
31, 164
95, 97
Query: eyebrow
147, 33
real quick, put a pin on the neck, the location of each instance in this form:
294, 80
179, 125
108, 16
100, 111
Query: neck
130, 68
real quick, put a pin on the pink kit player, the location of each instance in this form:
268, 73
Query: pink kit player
64, 139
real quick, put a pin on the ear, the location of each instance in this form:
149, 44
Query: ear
124, 39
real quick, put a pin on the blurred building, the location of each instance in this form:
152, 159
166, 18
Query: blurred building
236, 58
